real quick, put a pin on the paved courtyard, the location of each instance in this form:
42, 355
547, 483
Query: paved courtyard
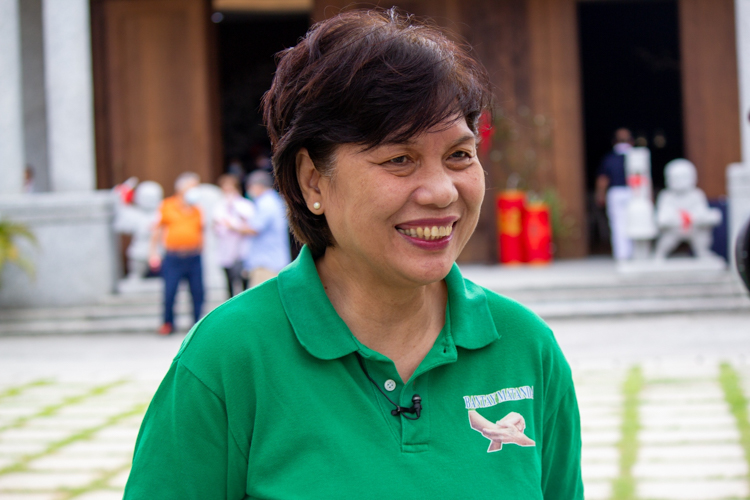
663, 405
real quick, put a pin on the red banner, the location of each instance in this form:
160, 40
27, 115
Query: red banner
537, 233
510, 226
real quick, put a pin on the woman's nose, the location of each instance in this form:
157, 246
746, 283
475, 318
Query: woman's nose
437, 186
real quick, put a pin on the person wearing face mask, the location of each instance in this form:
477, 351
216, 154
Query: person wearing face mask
179, 229
613, 192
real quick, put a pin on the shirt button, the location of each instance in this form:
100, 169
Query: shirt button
390, 385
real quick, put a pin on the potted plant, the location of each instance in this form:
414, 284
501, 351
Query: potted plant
518, 144
10, 252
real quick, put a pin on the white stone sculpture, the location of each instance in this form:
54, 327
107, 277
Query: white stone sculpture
640, 226
138, 220
683, 214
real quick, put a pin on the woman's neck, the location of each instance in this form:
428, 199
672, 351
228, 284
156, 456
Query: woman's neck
400, 322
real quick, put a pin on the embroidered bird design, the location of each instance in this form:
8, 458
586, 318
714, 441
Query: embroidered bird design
509, 430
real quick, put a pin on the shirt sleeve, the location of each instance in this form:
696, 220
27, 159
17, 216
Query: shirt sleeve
561, 452
185, 449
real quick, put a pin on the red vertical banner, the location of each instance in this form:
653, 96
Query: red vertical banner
510, 207
485, 132
537, 233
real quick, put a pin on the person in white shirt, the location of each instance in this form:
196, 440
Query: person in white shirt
230, 218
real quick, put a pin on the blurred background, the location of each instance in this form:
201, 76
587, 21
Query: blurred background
110, 89
95, 93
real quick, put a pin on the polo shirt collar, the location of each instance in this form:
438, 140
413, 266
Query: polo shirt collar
322, 332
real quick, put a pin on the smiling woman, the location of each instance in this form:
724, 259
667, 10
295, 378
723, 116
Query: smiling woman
369, 366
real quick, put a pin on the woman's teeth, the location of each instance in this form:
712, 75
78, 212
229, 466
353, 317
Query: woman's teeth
427, 233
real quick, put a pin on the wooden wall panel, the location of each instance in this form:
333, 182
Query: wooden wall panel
497, 32
158, 97
710, 90
556, 93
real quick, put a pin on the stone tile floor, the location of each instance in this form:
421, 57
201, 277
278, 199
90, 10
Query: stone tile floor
66, 439
62, 439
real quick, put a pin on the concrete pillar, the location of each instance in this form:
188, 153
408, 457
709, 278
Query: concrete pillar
34, 100
738, 174
69, 90
11, 115
742, 18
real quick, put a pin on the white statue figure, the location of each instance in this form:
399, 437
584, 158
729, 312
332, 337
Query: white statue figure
138, 220
683, 214
640, 227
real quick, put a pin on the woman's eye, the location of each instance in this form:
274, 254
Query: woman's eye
399, 160
461, 155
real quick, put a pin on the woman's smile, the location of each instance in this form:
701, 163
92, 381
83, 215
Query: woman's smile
428, 234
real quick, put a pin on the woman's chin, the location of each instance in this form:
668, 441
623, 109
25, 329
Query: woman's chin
428, 271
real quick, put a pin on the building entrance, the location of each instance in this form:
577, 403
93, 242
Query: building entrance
246, 47
630, 61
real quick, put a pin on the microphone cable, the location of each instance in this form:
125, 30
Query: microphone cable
416, 401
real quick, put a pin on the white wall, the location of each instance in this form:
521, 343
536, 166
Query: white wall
11, 116
742, 18
70, 98
34, 100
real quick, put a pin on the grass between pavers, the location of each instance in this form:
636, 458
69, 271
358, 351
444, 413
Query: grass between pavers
20, 389
50, 410
22, 464
730, 383
623, 487
100, 483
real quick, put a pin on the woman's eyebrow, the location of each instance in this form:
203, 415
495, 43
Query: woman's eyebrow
465, 138
411, 142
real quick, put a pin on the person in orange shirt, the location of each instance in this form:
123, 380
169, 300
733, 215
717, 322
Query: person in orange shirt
180, 230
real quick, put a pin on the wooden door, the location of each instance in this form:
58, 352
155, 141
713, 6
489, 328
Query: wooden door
156, 113
710, 92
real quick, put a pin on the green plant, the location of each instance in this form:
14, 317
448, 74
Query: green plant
562, 222
519, 146
623, 486
10, 252
520, 142
731, 385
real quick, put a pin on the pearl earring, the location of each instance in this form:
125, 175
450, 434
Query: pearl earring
316, 205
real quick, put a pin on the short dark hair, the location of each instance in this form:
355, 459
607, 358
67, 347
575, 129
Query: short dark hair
363, 77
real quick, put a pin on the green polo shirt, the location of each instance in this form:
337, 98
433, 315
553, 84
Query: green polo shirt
266, 399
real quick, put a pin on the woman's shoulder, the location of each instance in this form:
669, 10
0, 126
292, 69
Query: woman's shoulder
239, 327
511, 314
517, 326
524, 333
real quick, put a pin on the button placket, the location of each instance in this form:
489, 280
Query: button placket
415, 434
381, 370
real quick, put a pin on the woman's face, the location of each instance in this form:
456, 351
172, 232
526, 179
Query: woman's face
403, 212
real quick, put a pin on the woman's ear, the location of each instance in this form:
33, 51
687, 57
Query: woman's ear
309, 180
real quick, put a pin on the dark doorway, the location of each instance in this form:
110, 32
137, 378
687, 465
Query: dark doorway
630, 59
247, 44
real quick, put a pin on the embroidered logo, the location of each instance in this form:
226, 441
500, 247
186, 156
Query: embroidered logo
509, 430
501, 396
